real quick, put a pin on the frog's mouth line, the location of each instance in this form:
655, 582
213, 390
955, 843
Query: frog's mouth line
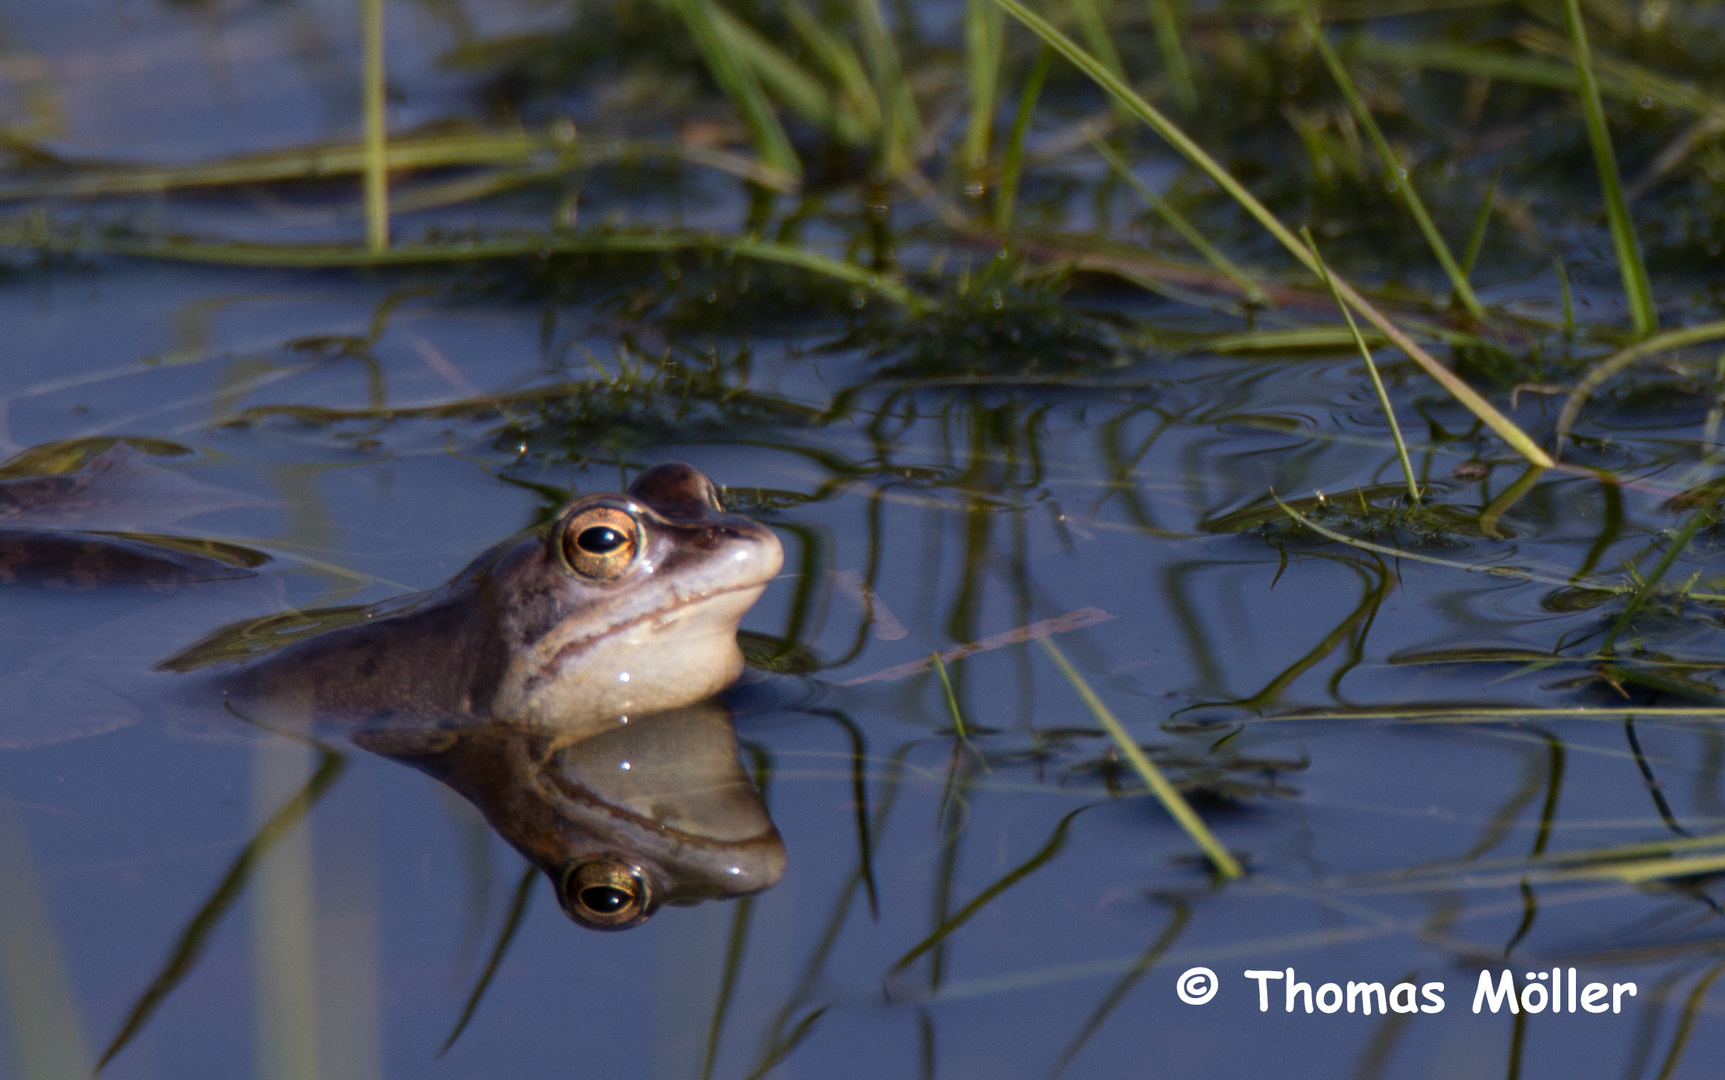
581, 645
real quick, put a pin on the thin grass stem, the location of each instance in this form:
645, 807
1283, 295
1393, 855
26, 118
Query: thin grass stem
1679, 543
1568, 298
376, 139
842, 63
1182, 914
1461, 391
1489, 517
1637, 290
1623, 359
1012, 164
736, 77
309, 256
1175, 803
1686, 1024
949, 924
1167, 27
189, 948
1200, 243
511, 923
736, 947
984, 44
951, 698
1400, 178
794, 86
1476, 238
1371, 370
1094, 28
900, 126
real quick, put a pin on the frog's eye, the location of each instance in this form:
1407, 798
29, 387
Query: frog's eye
601, 543
606, 894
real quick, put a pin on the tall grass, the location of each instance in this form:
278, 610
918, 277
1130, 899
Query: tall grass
376, 138
1637, 290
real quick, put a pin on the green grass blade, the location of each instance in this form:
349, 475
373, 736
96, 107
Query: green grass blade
1200, 243
1175, 803
1173, 55
1624, 80
737, 79
1679, 543
511, 923
1371, 369
376, 151
951, 698
1568, 310
190, 946
1400, 178
545, 154
1508, 497
329, 256
1094, 29
1637, 290
1467, 60
1012, 165
1463, 393
900, 127
799, 90
1623, 359
1476, 238
984, 44
842, 63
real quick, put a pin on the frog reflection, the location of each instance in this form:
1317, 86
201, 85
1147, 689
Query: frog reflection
625, 819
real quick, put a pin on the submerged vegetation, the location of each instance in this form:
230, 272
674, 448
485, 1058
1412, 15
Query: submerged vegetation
1422, 297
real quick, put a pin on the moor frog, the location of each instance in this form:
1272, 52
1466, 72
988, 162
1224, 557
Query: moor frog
563, 682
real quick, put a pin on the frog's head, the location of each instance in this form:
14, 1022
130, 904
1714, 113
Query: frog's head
628, 604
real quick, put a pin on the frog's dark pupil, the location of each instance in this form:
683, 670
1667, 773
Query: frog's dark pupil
600, 540
604, 899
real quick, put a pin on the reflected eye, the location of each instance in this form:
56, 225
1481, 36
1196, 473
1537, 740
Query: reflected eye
601, 543
606, 894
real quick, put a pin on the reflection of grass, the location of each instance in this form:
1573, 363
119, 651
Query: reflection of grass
1220, 857
188, 950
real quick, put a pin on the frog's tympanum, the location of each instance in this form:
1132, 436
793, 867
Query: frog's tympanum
563, 683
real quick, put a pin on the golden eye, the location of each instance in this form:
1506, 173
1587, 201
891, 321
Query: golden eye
601, 543
605, 894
